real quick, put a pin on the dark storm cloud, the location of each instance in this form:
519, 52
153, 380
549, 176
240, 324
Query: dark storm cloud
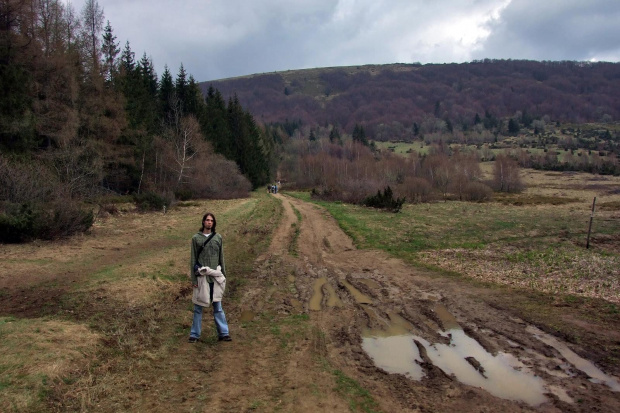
225, 38
555, 30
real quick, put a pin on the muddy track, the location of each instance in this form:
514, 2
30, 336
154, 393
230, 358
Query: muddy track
302, 324
419, 342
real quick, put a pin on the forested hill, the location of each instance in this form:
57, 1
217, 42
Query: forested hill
399, 95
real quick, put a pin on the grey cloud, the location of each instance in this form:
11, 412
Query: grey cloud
555, 30
218, 38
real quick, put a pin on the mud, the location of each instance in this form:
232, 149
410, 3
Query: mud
422, 343
415, 341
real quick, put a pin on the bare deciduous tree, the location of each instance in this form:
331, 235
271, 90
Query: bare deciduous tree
506, 174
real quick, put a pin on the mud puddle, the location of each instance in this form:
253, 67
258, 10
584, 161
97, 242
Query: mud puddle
595, 374
359, 296
317, 297
393, 349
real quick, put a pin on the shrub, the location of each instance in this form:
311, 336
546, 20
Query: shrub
33, 204
477, 191
385, 200
150, 201
416, 189
217, 178
28, 221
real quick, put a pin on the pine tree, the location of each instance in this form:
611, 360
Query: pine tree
214, 123
359, 135
334, 136
180, 87
166, 93
109, 51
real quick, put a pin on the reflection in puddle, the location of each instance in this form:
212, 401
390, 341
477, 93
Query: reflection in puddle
394, 354
596, 375
357, 294
393, 349
317, 296
496, 374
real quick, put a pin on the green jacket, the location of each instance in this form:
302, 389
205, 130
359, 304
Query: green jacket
211, 256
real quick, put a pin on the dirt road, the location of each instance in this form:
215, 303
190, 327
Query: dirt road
415, 341
317, 326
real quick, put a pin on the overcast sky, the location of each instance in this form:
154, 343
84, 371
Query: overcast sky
217, 39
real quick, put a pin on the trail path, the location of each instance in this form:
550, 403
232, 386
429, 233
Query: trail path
312, 331
446, 349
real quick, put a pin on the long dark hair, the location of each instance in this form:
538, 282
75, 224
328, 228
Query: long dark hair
202, 228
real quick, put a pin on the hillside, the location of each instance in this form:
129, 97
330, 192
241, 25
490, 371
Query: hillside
400, 95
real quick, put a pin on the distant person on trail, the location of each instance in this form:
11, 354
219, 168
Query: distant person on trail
208, 273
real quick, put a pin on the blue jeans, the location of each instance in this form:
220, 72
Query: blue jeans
218, 315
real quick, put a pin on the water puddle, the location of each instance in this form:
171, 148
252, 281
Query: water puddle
297, 305
247, 316
471, 364
447, 319
429, 296
317, 296
372, 284
333, 300
393, 349
360, 297
596, 375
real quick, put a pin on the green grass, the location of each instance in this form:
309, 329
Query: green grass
359, 399
447, 225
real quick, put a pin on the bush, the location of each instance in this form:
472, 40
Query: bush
28, 221
183, 194
477, 191
416, 189
385, 200
33, 204
150, 201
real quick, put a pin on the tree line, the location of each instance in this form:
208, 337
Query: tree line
93, 120
350, 169
403, 101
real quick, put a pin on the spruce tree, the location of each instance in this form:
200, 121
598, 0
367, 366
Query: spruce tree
166, 93
109, 53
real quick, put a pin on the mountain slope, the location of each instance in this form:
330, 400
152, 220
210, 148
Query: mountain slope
371, 95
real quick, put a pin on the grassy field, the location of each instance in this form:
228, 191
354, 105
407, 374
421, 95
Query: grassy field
97, 318
405, 148
534, 240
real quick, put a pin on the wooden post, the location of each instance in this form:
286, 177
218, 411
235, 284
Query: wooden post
590, 226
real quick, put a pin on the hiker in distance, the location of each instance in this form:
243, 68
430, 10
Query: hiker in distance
208, 278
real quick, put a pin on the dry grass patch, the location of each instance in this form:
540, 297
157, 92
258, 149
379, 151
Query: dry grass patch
553, 270
532, 199
35, 354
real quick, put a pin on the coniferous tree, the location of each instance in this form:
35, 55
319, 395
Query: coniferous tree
214, 122
180, 87
92, 23
359, 135
334, 136
109, 51
194, 101
166, 93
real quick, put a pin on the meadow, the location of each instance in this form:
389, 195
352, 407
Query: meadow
534, 240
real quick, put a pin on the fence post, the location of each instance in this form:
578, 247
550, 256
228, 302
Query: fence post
590, 226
